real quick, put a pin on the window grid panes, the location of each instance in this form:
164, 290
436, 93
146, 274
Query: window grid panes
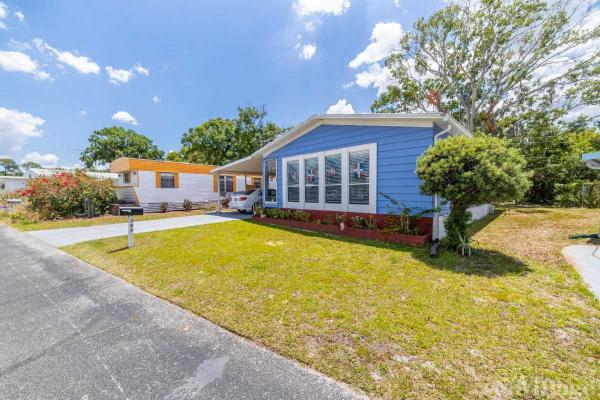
271, 195
358, 190
311, 180
167, 181
225, 185
333, 179
293, 181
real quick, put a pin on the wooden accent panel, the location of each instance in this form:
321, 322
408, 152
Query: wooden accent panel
121, 164
157, 174
235, 183
176, 181
169, 166
215, 183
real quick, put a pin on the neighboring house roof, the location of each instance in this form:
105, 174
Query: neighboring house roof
592, 160
253, 162
38, 172
123, 164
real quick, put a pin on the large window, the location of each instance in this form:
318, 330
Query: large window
333, 179
293, 181
225, 185
167, 180
271, 195
311, 180
336, 180
358, 190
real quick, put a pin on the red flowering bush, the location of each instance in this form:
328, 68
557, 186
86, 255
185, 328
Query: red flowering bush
63, 195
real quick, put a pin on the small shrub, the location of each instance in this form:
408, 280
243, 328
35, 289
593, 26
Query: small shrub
330, 220
340, 218
259, 210
359, 222
302, 216
187, 205
164, 206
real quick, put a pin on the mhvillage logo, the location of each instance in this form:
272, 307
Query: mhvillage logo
542, 388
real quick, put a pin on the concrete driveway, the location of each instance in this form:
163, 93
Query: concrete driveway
586, 260
66, 236
71, 331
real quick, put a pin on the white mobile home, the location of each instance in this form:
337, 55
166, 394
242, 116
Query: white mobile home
10, 184
149, 183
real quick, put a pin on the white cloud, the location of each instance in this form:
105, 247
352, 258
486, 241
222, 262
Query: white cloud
156, 99
83, 113
15, 61
125, 117
307, 7
82, 64
3, 11
3, 26
311, 26
341, 107
43, 159
16, 128
584, 110
141, 70
20, 16
118, 76
308, 51
377, 76
384, 40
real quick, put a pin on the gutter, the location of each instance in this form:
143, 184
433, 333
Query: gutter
435, 234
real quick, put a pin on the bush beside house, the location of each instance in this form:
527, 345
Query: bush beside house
64, 195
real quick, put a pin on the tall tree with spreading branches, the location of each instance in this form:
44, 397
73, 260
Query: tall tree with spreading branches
482, 61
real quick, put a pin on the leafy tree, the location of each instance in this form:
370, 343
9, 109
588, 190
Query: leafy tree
174, 156
219, 141
471, 171
486, 60
108, 144
30, 164
9, 167
553, 155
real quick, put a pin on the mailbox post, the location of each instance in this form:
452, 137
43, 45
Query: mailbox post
130, 212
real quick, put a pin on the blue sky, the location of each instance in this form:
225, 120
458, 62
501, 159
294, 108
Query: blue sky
70, 67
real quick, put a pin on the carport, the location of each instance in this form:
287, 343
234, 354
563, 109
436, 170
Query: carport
251, 165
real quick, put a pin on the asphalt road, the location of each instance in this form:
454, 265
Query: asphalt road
71, 331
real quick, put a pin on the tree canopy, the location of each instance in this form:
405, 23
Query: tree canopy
486, 60
219, 141
9, 167
31, 164
471, 171
108, 144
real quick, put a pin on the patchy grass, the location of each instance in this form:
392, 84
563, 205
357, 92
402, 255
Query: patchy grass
82, 222
386, 318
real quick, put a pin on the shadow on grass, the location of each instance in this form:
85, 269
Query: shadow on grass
484, 263
478, 225
118, 250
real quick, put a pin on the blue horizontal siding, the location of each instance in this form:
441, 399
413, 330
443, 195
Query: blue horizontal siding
397, 151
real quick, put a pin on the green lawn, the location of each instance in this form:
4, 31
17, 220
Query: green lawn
81, 222
386, 318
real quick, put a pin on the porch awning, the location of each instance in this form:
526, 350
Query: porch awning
251, 165
592, 160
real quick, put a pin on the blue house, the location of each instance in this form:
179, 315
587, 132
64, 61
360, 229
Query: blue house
346, 163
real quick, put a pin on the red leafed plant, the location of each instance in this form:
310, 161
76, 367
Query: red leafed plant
63, 195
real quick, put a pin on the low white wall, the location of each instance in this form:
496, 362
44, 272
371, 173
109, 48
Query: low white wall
477, 212
10, 184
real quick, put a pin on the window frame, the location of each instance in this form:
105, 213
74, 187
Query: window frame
345, 205
266, 183
173, 175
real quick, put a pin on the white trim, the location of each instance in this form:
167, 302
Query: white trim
382, 119
370, 208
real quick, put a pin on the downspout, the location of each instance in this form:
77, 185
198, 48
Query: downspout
436, 199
